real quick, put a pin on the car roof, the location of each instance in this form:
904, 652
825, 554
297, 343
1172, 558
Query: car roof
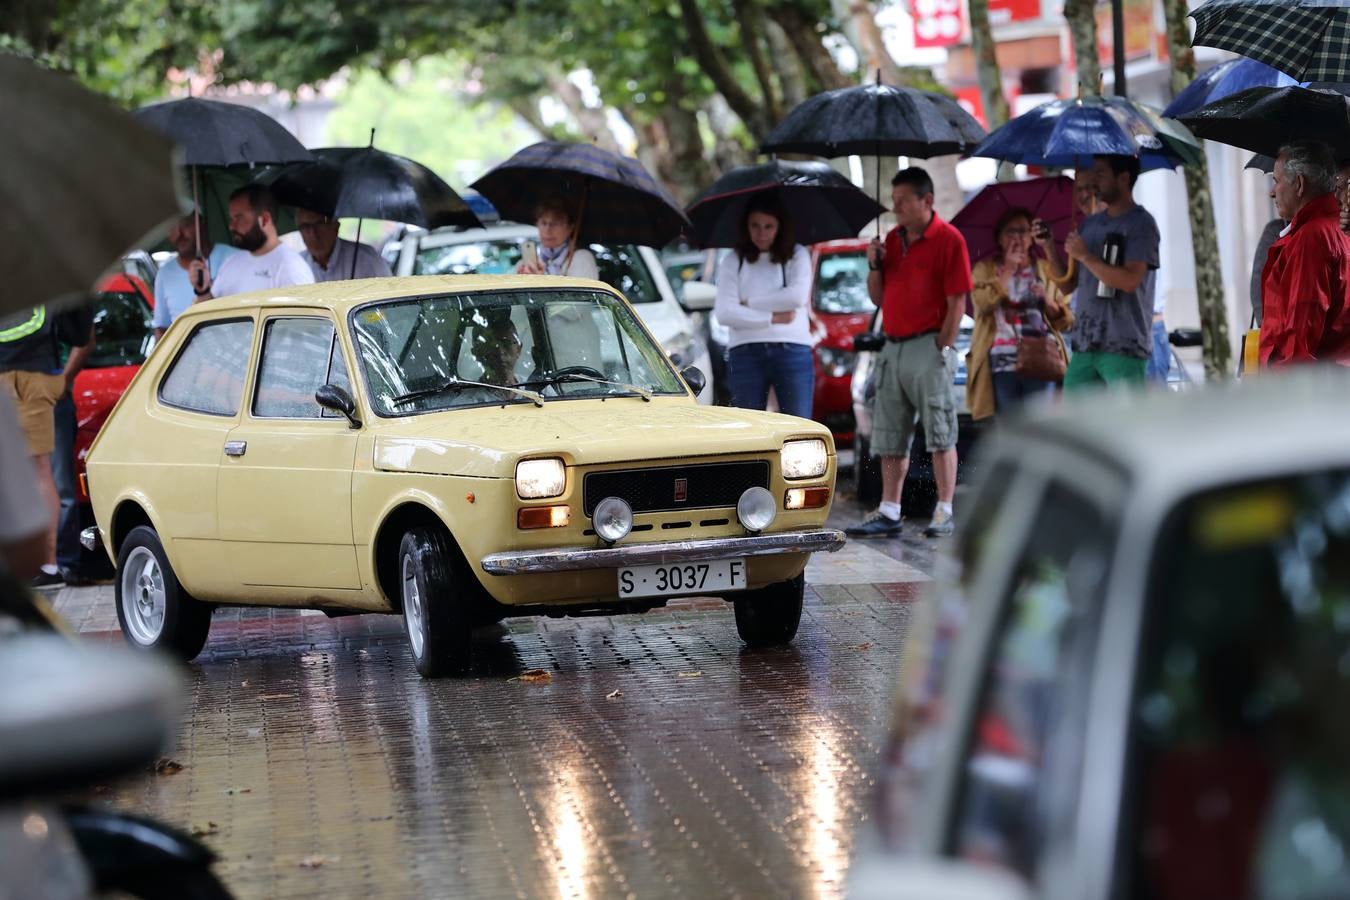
342, 296
1181, 441
842, 245
122, 283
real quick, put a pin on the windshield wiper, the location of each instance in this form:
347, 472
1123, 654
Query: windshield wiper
454, 384
642, 392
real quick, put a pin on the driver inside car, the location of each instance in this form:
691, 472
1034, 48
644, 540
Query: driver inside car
496, 347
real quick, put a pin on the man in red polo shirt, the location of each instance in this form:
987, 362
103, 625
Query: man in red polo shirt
920, 279
1305, 313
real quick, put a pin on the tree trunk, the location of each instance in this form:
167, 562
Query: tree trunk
986, 65
750, 19
874, 47
687, 171
1208, 279
1082, 18
801, 32
792, 75
715, 66
527, 107
728, 151
592, 120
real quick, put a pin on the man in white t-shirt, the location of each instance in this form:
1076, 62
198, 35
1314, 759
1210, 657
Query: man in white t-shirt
268, 262
329, 256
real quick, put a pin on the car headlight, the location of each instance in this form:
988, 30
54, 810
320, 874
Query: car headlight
804, 459
836, 363
539, 478
681, 349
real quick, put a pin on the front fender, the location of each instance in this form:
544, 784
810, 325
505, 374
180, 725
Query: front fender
116, 843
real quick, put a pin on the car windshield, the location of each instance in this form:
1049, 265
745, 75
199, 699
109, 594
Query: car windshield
1239, 785
620, 265
419, 354
841, 284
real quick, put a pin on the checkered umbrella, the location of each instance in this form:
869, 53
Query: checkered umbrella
1308, 39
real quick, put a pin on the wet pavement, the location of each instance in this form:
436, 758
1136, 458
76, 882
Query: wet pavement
645, 756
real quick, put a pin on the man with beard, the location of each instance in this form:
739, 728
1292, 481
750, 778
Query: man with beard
173, 290
268, 262
1117, 254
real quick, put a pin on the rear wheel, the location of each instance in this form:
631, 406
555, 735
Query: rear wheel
436, 613
770, 616
153, 608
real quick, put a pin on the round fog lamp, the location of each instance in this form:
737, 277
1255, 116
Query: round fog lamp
756, 509
612, 519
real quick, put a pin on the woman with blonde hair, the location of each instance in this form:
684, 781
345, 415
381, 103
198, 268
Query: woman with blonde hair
1014, 298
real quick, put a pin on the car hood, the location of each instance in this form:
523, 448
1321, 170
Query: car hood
487, 442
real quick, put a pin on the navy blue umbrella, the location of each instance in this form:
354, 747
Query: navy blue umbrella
1069, 133
1223, 80
616, 199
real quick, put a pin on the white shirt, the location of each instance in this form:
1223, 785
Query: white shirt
369, 263
280, 267
23, 512
749, 293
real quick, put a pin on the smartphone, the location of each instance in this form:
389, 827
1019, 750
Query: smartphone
529, 253
1042, 232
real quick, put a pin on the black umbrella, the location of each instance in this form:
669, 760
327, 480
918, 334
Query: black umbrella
822, 204
1307, 39
617, 200
1263, 119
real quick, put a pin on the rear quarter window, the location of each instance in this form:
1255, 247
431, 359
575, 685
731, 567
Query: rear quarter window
208, 374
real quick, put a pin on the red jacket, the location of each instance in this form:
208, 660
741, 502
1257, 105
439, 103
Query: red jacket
1303, 290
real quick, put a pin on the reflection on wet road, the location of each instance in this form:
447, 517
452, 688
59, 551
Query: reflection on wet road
658, 759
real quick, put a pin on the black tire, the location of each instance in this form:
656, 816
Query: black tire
168, 883
437, 618
153, 609
769, 616
866, 471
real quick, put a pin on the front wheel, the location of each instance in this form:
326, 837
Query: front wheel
435, 612
770, 616
153, 608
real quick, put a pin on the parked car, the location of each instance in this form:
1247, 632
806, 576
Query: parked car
841, 305
142, 265
682, 267
454, 449
1132, 682
124, 336
634, 271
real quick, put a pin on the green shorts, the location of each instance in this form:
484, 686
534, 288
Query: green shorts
1093, 368
914, 383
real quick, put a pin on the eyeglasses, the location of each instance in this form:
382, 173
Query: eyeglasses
1017, 232
314, 226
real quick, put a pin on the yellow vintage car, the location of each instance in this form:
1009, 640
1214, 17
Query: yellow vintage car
454, 449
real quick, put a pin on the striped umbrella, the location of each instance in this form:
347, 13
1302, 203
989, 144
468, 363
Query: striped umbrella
1308, 39
617, 200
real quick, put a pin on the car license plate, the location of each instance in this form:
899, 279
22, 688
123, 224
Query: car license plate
711, 577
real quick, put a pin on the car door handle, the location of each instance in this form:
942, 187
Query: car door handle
235, 448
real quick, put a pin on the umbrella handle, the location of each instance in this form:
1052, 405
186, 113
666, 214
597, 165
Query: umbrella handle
576, 229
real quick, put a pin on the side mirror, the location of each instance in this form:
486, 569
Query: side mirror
330, 396
1186, 337
699, 296
695, 378
869, 342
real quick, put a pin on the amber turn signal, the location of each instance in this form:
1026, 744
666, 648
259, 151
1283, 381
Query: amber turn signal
544, 517
806, 498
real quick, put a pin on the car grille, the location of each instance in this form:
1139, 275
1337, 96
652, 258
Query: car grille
651, 490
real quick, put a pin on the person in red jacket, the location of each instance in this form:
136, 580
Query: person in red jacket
1306, 276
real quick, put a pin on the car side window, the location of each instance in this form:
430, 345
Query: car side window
208, 374
1024, 753
621, 267
297, 356
1237, 783
122, 330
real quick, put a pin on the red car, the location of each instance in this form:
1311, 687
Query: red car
123, 307
842, 308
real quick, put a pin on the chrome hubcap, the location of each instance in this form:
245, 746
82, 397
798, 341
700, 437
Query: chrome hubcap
143, 597
412, 607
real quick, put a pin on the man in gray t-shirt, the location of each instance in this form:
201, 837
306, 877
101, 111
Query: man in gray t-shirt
1117, 255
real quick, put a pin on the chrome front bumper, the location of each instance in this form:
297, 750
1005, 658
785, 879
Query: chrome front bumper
89, 538
567, 559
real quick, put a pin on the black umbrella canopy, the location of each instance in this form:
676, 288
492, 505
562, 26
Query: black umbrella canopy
822, 204
1307, 39
212, 133
366, 183
1263, 119
617, 199
876, 120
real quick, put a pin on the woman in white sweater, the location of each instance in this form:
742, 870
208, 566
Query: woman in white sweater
763, 298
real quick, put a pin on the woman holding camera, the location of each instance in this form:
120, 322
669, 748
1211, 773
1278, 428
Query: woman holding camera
764, 298
1015, 299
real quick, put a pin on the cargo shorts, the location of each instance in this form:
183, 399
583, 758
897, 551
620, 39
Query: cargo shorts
35, 395
914, 383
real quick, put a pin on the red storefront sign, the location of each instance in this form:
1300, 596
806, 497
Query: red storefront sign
1001, 11
937, 23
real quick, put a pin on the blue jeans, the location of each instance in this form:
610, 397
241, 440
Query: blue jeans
1161, 360
788, 368
63, 473
1010, 389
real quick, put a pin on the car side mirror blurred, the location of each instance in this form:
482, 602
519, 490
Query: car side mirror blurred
695, 378
1186, 337
868, 342
698, 296
330, 396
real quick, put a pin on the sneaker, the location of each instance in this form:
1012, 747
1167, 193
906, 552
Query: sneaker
46, 579
75, 578
941, 526
875, 525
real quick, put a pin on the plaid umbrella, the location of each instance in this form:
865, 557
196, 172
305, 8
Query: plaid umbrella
617, 200
1308, 39
1263, 119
